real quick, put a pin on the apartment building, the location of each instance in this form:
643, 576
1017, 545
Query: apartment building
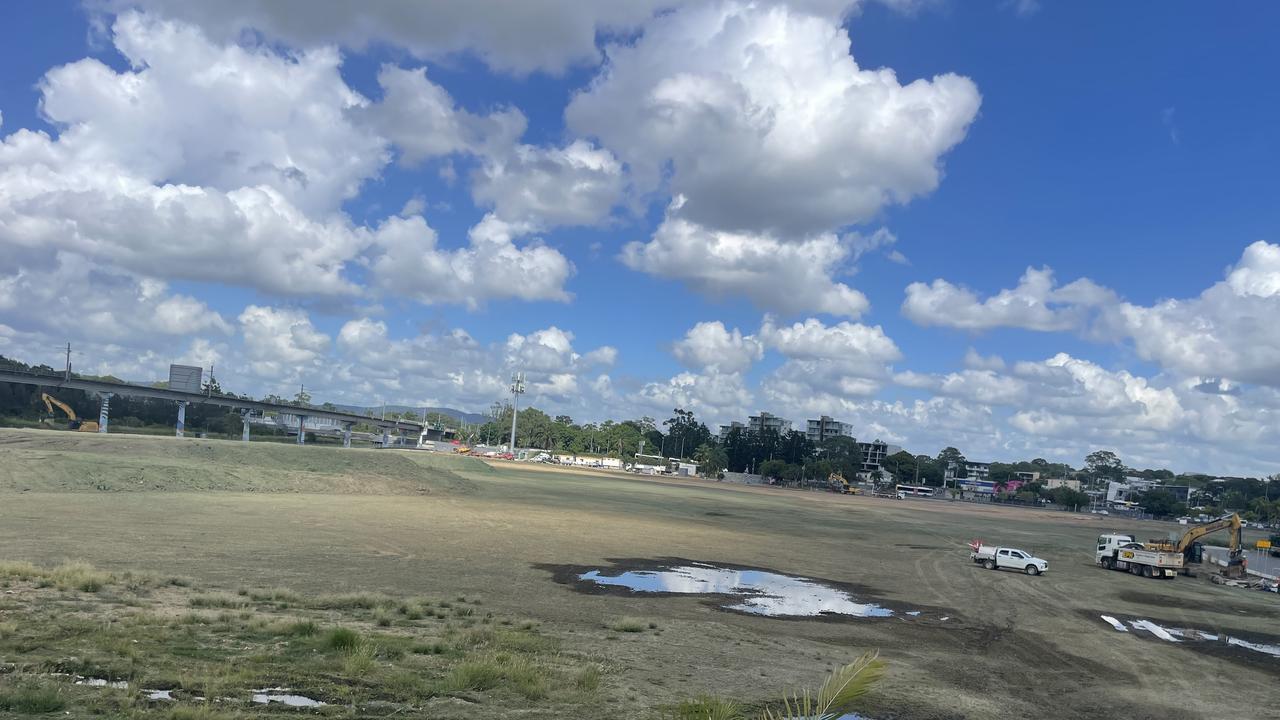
825, 428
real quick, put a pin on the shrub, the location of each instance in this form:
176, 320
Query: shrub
343, 639
79, 576
629, 625
31, 699
229, 602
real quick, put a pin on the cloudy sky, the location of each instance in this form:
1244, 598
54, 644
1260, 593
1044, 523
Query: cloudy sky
1020, 227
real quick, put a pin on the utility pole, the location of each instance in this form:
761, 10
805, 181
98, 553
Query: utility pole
67, 375
517, 388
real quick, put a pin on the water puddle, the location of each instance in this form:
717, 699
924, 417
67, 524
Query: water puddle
756, 592
266, 696
102, 682
1191, 635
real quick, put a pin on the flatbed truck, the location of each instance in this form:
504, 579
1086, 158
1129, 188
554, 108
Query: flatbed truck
1124, 553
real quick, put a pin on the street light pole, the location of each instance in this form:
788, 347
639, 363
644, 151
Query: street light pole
517, 387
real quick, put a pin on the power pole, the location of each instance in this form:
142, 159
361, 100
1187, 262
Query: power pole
67, 375
517, 388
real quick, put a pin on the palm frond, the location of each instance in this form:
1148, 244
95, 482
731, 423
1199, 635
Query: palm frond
837, 694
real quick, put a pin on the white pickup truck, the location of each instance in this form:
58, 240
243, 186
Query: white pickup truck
992, 557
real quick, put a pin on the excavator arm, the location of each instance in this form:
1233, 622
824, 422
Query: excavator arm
1186, 543
73, 422
1231, 521
50, 402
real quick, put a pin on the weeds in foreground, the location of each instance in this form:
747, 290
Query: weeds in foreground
360, 659
342, 639
588, 679
31, 699
631, 625
521, 674
834, 699
221, 600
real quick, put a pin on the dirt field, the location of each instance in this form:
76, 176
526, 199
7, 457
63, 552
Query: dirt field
409, 523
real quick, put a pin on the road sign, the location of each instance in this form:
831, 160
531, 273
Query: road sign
1264, 544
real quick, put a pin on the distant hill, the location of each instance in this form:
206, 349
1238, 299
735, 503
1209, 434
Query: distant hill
462, 416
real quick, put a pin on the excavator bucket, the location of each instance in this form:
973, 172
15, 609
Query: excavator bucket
1236, 568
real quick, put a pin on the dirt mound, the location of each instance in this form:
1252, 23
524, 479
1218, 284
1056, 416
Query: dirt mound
51, 461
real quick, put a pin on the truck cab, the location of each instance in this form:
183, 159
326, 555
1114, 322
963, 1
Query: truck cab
1109, 544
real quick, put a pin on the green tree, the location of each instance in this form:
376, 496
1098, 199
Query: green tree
1161, 503
685, 434
902, 465
1104, 465
773, 469
711, 459
951, 456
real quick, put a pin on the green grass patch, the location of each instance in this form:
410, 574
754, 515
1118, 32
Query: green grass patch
342, 639
588, 679
630, 625
219, 600
31, 698
276, 595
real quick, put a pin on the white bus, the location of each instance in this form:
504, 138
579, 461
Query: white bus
918, 490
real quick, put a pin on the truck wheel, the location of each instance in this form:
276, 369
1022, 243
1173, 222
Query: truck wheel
1106, 564
1146, 571
989, 564
1033, 570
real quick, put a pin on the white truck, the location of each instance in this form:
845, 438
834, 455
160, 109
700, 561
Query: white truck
1123, 552
992, 557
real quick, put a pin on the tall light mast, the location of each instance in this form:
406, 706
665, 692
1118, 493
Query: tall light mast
517, 388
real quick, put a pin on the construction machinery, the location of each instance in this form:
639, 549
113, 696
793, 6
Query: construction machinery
838, 484
1116, 551
1192, 550
73, 422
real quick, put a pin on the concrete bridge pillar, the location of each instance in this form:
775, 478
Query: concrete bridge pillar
104, 413
302, 429
346, 434
386, 438
244, 429
182, 418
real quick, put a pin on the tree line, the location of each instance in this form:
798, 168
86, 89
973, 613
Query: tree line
784, 457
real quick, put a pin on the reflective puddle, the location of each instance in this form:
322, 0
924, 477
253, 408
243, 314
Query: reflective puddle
1191, 635
266, 696
757, 592
101, 682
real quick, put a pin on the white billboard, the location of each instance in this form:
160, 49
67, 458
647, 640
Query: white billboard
186, 378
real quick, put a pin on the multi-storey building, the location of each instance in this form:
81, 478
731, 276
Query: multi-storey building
825, 428
726, 429
767, 421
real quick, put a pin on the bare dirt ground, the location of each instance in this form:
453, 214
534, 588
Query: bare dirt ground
328, 520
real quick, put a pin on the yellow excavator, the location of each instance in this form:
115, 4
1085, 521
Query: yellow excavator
1192, 550
837, 483
73, 422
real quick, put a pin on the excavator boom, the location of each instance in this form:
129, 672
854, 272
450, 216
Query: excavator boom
1186, 543
50, 402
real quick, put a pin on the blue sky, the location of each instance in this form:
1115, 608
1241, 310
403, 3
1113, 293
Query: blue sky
714, 174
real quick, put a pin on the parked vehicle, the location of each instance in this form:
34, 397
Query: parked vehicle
1122, 552
1274, 550
993, 557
